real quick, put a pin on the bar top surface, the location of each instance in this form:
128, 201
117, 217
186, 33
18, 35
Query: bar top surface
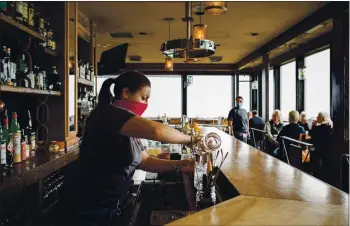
247, 210
255, 173
271, 193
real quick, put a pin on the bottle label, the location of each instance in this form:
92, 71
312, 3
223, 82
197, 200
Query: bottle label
41, 23
17, 147
10, 144
31, 17
27, 150
3, 154
32, 142
23, 151
25, 11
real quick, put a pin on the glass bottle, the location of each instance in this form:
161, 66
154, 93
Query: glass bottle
25, 13
31, 15
2, 149
19, 11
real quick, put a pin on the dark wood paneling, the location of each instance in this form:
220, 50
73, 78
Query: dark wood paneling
184, 95
300, 86
340, 35
266, 99
277, 81
309, 22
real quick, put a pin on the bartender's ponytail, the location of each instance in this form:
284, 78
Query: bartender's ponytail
105, 96
131, 79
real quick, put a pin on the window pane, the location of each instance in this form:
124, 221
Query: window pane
317, 83
244, 91
288, 89
271, 92
166, 96
209, 96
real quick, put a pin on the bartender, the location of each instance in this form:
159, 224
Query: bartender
111, 150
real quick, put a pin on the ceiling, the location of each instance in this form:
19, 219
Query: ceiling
231, 30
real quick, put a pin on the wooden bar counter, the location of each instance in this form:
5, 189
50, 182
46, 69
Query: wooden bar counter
271, 193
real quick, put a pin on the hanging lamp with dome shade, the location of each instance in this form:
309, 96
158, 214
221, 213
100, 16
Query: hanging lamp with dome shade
215, 8
200, 30
169, 61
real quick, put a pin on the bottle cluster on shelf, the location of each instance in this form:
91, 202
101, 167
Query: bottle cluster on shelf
86, 70
86, 98
28, 14
16, 144
15, 71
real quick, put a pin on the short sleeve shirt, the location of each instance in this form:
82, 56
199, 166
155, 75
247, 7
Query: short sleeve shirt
107, 158
239, 119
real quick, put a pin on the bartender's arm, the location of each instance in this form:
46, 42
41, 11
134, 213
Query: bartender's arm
143, 128
151, 164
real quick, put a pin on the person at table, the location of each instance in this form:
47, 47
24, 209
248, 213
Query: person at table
321, 133
292, 130
303, 121
250, 115
257, 122
238, 120
272, 129
111, 150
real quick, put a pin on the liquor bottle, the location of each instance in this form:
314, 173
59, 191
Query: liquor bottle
11, 9
7, 137
19, 11
45, 80
25, 12
2, 149
54, 81
22, 69
3, 7
31, 15
31, 135
23, 146
12, 79
2, 64
14, 145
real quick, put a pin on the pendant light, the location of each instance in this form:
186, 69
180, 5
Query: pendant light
200, 30
215, 8
169, 64
169, 61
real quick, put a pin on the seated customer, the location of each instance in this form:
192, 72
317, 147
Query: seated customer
272, 129
320, 133
303, 121
292, 130
257, 122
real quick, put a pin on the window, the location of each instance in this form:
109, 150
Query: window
245, 91
271, 92
166, 96
209, 96
288, 89
317, 83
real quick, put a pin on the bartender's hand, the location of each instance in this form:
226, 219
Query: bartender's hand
185, 165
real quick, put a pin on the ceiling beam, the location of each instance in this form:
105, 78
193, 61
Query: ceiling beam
303, 26
179, 68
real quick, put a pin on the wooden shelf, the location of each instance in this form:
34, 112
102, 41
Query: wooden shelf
85, 82
83, 33
50, 51
14, 89
21, 27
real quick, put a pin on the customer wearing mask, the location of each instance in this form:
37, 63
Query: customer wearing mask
238, 120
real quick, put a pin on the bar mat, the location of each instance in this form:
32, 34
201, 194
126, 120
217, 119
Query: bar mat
167, 216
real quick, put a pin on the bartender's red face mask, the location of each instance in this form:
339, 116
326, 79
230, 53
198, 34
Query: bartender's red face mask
135, 102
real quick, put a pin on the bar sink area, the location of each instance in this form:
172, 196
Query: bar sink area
164, 198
